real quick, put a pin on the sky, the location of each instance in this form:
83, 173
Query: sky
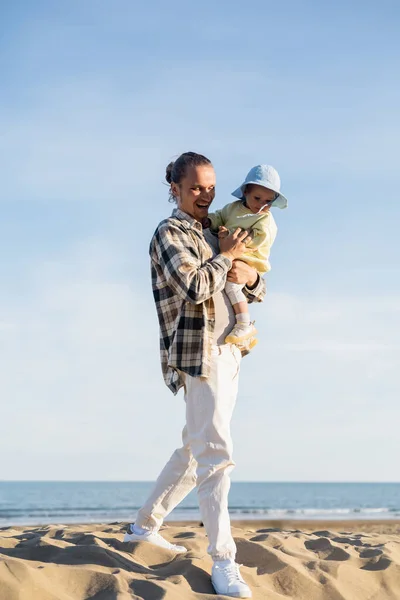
95, 99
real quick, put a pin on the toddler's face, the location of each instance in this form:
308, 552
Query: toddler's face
258, 197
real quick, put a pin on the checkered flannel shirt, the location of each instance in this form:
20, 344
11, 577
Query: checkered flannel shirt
185, 276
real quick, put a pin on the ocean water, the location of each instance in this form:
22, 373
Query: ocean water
28, 503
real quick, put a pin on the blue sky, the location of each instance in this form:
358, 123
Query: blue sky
95, 100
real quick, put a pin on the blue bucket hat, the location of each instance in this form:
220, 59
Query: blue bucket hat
266, 176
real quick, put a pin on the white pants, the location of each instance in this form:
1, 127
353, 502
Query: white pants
205, 459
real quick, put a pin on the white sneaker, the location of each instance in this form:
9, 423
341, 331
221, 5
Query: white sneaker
229, 582
153, 537
241, 332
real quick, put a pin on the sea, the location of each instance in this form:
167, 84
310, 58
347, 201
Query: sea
61, 502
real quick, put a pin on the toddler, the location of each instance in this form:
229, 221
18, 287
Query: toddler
257, 194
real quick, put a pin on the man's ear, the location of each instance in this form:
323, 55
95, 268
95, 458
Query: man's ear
175, 190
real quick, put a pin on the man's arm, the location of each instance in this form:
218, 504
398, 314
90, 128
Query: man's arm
174, 250
254, 285
257, 292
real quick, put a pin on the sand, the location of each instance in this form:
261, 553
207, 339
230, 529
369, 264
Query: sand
350, 560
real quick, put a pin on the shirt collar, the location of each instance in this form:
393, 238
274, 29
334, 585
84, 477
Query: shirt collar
187, 219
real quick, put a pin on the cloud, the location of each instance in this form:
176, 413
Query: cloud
98, 137
80, 370
82, 379
322, 383
86, 134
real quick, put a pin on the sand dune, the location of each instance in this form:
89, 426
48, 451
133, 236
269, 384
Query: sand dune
285, 560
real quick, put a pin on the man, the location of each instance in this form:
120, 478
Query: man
188, 279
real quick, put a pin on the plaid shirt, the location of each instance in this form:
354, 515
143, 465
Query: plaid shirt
185, 276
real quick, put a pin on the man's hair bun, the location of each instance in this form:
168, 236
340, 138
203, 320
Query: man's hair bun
168, 172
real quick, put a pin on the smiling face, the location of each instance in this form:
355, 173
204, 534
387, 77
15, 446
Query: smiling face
196, 191
258, 197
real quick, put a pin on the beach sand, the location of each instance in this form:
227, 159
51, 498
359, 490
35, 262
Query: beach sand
299, 560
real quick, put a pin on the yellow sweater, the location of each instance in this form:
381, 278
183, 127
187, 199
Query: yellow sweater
261, 226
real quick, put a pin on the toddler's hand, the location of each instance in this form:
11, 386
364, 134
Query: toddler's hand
223, 232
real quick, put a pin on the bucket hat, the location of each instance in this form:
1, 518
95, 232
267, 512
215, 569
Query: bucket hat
266, 176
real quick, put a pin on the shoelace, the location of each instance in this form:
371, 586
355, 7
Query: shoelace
232, 573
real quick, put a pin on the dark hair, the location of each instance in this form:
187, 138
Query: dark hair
177, 169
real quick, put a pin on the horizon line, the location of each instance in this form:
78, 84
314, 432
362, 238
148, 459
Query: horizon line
153, 481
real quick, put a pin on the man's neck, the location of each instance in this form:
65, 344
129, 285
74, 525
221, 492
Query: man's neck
183, 215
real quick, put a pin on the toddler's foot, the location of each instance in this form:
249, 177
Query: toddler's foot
247, 346
240, 333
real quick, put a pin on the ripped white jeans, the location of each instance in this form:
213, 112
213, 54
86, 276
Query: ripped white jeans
205, 459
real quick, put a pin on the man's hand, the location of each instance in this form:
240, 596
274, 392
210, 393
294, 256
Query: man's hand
234, 245
242, 273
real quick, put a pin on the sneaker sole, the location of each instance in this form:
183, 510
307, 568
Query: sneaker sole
252, 344
236, 595
230, 339
245, 351
128, 539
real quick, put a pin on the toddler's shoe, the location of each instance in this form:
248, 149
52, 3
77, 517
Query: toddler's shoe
247, 346
240, 333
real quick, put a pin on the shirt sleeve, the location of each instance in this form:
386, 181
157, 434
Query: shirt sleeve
220, 217
257, 293
180, 261
258, 238
262, 235
216, 219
